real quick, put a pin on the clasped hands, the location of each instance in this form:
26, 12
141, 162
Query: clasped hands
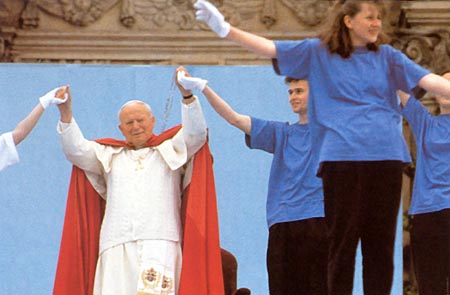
56, 96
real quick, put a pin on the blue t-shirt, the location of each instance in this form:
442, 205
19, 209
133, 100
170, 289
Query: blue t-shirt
431, 191
294, 193
354, 112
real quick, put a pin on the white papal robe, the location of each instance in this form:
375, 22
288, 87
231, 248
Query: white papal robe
140, 235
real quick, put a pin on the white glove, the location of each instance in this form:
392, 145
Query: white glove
209, 14
50, 98
191, 83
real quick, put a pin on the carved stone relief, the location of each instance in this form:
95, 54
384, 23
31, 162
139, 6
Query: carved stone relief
131, 24
312, 12
76, 12
169, 14
10, 12
27, 27
426, 14
9, 17
148, 14
431, 49
145, 14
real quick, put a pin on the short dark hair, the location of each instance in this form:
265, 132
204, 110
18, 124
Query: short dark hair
288, 80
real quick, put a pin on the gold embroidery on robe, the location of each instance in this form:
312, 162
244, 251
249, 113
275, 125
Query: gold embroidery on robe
155, 283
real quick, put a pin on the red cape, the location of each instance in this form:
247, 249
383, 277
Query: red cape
201, 272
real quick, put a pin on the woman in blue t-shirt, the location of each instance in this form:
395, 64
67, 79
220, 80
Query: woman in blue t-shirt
355, 121
430, 203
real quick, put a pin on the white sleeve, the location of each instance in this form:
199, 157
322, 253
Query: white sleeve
194, 126
94, 158
8, 151
78, 150
191, 137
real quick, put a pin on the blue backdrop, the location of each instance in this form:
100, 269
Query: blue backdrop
33, 192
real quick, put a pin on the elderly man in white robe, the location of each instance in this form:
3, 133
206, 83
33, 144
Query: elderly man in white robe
141, 231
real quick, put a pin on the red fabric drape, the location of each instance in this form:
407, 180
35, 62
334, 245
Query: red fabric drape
202, 267
79, 246
202, 264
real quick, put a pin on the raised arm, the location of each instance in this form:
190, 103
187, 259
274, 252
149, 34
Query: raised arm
25, 126
437, 85
65, 109
240, 121
77, 149
252, 42
209, 14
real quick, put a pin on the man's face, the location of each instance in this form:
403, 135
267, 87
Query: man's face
136, 124
298, 96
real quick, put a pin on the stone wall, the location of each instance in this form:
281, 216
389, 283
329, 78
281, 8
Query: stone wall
165, 31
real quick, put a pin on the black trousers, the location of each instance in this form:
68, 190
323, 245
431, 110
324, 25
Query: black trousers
430, 249
362, 201
297, 257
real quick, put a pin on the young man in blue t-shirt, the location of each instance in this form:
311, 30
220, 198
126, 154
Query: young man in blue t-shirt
297, 248
430, 203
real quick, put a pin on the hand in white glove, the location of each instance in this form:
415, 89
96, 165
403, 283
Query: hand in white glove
209, 14
50, 98
191, 83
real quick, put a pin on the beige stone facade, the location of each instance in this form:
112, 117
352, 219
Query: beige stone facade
165, 32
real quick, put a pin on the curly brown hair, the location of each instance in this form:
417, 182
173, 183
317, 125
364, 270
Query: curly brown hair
335, 34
